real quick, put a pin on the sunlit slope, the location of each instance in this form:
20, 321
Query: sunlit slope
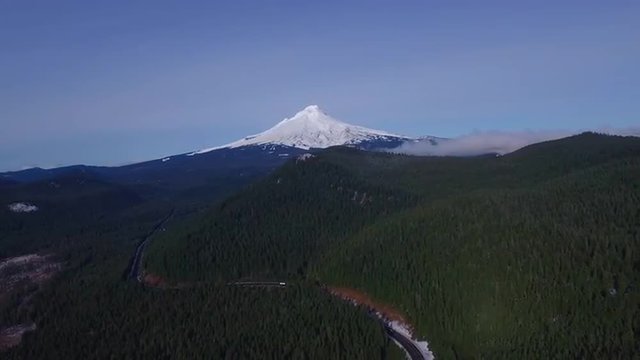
530, 272
532, 254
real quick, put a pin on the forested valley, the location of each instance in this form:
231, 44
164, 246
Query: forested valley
88, 229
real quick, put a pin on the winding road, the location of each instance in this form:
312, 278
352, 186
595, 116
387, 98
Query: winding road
136, 261
406, 343
135, 273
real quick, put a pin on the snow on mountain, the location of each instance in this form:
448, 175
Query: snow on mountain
311, 128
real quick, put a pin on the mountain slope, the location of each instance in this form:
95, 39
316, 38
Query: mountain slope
515, 256
242, 237
312, 128
61, 205
208, 175
524, 272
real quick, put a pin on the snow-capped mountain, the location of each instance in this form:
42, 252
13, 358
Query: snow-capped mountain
312, 128
239, 162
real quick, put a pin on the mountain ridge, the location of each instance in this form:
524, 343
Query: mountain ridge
216, 172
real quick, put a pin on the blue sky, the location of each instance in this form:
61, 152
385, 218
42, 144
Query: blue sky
112, 82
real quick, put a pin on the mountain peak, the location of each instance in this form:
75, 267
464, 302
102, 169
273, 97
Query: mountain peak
311, 128
312, 109
309, 113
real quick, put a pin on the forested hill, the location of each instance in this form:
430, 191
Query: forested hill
535, 254
277, 227
62, 206
64, 251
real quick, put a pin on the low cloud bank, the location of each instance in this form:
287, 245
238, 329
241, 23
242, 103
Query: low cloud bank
500, 142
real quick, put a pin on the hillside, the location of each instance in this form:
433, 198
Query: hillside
245, 236
529, 255
80, 233
55, 209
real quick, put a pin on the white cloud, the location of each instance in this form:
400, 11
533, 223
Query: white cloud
500, 142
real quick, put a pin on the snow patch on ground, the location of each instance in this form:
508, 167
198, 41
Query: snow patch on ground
387, 315
166, 159
20, 207
402, 329
305, 157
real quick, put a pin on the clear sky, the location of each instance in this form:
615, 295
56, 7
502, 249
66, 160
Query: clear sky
110, 82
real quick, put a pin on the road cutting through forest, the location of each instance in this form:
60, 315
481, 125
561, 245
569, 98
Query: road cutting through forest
396, 327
